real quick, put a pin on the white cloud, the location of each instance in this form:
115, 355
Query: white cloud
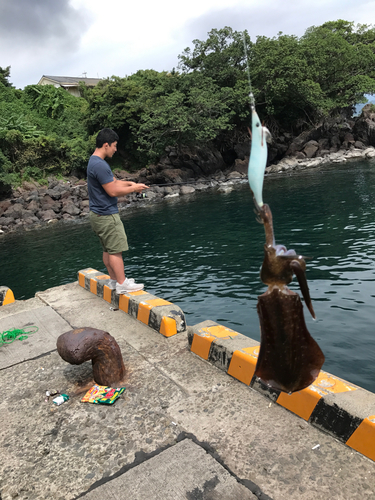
118, 38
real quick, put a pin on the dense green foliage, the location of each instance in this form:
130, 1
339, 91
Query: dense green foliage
296, 83
4, 76
42, 132
152, 110
294, 80
330, 68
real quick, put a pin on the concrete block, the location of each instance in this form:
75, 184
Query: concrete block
341, 409
229, 350
183, 471
6, 296
159, 314
49, 326
363, 438
84, 279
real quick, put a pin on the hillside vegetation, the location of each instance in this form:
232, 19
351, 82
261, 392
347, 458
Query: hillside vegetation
296, 81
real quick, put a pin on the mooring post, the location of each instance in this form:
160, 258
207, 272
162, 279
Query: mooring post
82, 344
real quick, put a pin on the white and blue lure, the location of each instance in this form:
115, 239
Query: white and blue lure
258, 156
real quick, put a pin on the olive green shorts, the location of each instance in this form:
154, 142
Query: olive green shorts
110, 231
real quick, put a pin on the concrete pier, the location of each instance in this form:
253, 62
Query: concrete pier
191, 424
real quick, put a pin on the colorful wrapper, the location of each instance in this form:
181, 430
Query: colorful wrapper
99, 394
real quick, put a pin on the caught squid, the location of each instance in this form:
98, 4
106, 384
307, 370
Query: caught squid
289, 358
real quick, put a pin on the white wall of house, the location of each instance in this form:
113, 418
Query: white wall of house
72, 89
71, 85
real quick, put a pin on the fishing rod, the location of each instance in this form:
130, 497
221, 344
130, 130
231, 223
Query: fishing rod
244, 178
275, 175
198, 182
212, 181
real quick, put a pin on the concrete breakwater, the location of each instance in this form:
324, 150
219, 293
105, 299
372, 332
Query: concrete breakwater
338, 407
184, 428
32, 206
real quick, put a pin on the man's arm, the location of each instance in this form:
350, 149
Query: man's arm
120, 188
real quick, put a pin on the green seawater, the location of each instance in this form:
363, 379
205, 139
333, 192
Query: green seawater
203, 252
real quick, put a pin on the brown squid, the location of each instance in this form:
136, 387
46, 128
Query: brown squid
289, 358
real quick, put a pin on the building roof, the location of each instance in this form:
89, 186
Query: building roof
66, 81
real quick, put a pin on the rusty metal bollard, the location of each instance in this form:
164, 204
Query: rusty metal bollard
83, 344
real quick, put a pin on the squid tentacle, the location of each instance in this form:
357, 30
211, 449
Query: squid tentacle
299, 271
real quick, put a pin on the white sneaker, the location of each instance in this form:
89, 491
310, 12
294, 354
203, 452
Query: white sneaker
128, 286
112, 283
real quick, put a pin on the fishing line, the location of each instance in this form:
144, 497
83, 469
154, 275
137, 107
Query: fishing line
251, 95
252, 106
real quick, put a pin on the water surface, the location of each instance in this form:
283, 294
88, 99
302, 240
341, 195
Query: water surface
203, 252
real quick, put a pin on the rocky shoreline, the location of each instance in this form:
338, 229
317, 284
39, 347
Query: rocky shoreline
186, 170
33, 206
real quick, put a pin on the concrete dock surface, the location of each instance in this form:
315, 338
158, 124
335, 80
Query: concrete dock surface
183, 429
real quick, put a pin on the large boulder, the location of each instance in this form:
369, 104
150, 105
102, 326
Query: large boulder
14, 211
70, 208
6, 221
348, 140
187, 189
202, 161
164, 174
241, 166
33, 206
4, 205
298, 143
48, 203
54, 193
47, 215
242, 150
335, 143
310, 149
29, 186
364, 128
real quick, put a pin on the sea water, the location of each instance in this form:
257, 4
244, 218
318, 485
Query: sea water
203, 252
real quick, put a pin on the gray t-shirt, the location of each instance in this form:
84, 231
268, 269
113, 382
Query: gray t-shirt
98, 173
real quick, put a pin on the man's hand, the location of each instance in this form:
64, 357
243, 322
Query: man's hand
121, 188
140, 187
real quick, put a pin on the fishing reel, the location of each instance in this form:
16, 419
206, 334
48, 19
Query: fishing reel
141, 195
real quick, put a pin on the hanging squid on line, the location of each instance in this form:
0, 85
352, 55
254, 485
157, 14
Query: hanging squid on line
289, 358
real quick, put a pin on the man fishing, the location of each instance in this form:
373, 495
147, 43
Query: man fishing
105, 220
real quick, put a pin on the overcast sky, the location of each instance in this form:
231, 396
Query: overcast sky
101, 39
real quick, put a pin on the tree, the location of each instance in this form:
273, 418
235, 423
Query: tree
294, 80
220, 57
193, 111
341, 59
4, 76
305, 79
152, 110
42, 132
283, 88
